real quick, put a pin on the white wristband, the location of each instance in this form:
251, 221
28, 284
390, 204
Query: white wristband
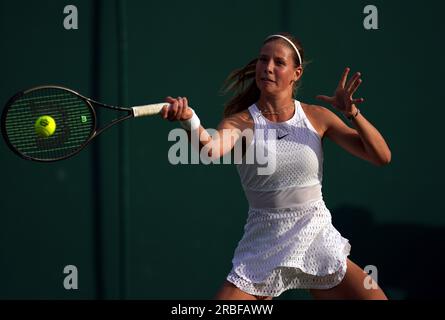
191, 124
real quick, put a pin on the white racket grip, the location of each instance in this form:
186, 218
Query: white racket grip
148, 110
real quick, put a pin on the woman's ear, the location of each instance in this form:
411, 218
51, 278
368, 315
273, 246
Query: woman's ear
298, 73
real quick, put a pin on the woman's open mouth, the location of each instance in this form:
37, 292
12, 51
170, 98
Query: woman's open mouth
267, 80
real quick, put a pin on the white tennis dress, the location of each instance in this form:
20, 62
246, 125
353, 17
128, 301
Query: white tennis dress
289, 240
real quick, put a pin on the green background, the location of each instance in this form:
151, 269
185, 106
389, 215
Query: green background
183, 223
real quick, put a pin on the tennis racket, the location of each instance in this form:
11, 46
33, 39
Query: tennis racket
72, 115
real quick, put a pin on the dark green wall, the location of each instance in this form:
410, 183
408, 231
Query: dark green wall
184, 222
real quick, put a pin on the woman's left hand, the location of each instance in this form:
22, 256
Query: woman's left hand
342, 99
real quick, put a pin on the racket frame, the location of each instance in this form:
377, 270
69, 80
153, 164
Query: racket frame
89, 102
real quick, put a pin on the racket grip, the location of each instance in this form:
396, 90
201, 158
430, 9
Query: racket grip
148, 110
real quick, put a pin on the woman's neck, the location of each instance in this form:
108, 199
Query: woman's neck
276, 101
276, 109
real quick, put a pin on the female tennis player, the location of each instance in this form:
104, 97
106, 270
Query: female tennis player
289, 241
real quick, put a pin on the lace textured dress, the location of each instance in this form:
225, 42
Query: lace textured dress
289, 240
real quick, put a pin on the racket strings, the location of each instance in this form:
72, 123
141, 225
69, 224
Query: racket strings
74, 120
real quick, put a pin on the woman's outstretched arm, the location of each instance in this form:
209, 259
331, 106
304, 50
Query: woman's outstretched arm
365, 141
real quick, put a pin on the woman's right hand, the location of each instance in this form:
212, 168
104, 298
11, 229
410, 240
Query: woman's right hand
178, 109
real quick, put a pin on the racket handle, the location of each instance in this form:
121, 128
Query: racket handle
148, 110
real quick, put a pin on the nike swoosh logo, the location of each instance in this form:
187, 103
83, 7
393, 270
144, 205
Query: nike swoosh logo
279, 138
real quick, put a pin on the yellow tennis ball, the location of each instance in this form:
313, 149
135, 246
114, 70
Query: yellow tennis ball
45, 126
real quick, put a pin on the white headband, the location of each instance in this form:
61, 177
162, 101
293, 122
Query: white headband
290, 42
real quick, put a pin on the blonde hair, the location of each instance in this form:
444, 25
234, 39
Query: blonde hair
241, 82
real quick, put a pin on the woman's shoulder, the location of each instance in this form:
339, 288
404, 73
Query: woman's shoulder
320, 113
318, 116
243, 115
314, 109
240, 120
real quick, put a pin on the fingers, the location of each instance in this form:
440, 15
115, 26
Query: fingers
354, 87
178, 113
354, 82
345, 90
342, 82
170, 99
175, 111
165, 109
175, 108
325, 98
